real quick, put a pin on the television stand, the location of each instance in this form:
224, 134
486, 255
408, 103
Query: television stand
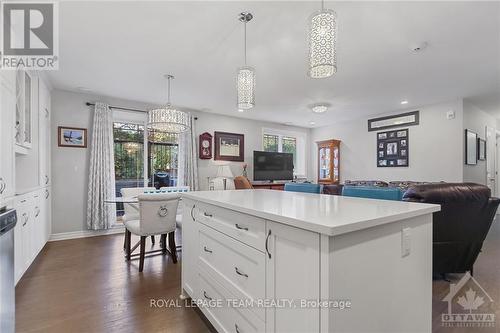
269, 185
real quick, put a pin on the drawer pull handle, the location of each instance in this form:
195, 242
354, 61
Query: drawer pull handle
267, 243
240, 273
237, 328
207, 214
206, 296
192, 209
241, 228
207, 250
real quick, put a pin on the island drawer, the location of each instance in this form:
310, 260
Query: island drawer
240, 268
225, 317
245, 228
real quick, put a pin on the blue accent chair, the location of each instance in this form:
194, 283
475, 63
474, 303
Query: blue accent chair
303, 187
372, 192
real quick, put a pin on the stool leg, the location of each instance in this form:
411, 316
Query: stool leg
171, 245
163, 243
153, 239
128, 236
143, 251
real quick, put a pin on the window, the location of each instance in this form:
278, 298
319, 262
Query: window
287, 142
161, 158
270, 142
289, 145
129, 157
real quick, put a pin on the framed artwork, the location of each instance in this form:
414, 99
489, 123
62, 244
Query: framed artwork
205, 146
470, 147
229, 147
72, 137
403, 119
481, 149
393, 148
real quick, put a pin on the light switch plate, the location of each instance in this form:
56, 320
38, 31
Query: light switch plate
405, 242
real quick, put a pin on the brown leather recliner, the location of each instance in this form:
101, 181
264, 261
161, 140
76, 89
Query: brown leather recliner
459, 229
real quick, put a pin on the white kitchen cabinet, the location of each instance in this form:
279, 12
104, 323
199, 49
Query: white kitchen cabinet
47, 214
7, 133
44, 114
313, 268
292, 274
32, 229
25, 93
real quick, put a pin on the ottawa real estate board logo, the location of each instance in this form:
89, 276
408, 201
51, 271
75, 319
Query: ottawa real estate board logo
30, 38
469, 305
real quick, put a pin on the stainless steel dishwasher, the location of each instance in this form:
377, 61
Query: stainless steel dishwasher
8, 221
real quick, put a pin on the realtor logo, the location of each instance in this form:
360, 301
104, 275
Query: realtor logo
29, 35
469, 305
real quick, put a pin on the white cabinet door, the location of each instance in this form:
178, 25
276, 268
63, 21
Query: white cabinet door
293, 273
38, 229
47, 211
44, 132
189, 248
7, 133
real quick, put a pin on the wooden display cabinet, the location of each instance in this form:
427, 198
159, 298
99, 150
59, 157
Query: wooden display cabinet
328, 161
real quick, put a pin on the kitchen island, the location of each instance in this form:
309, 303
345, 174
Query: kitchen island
273, 261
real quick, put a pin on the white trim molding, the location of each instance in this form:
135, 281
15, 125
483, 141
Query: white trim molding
86, 233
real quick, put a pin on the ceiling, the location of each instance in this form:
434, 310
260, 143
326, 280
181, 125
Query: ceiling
123, 48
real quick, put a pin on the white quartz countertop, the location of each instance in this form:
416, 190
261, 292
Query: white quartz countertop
326, 214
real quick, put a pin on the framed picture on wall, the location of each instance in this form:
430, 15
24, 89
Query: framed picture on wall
72, 137
481, 149
470, 147
392, 149
229, 147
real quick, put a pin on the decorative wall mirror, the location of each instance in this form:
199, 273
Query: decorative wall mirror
470, 147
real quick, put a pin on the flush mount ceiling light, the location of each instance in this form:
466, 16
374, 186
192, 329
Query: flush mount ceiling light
322, 43
319, 108
167, 118
246, 74
404, 102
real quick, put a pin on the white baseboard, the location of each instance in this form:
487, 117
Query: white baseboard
85, 233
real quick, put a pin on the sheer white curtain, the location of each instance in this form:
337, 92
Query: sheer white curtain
101, 171
188, 158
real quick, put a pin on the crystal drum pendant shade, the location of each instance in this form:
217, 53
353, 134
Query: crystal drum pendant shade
167, 118
246, 88
322, 44
245, 81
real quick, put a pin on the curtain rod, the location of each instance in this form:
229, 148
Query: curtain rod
125, 109
118, 107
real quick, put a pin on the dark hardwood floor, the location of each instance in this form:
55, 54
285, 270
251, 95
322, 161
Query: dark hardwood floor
85, 285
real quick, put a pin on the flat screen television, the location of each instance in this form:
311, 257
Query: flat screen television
272, 166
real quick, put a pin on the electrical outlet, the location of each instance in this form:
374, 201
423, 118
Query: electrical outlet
405, 242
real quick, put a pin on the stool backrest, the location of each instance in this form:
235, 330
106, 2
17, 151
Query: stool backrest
158, 212
129, 192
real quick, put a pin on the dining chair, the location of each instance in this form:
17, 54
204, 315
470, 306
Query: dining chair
157, 215
131, 211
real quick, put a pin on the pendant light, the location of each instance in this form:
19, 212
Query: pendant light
167, 118
322, 40
246, 74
